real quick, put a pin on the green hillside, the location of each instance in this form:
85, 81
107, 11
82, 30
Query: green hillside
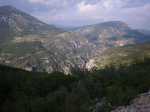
123, 55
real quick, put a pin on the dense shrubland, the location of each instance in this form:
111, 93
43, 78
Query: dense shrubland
99, 91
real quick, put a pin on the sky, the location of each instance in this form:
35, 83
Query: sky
136, 13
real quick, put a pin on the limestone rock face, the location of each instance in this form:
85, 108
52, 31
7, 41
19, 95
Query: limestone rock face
139, 104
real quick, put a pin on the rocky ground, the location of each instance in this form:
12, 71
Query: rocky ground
139, 104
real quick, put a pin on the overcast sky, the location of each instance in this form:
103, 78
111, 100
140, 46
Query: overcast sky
81, 12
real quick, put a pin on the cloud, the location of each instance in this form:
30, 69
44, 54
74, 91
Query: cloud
101, 7
39, 1
136, 16
86, 8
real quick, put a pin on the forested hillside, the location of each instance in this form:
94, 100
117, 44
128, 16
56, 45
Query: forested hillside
101, 90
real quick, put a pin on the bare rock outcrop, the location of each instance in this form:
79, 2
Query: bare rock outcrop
139, 104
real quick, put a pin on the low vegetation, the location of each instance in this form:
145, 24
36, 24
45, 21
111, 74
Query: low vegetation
101, 90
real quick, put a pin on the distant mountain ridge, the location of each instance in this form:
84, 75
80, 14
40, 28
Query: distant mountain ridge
112, 30
28, 43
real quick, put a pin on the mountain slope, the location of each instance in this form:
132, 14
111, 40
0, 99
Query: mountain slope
124, 56
14, 22
113, 33
30, 44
